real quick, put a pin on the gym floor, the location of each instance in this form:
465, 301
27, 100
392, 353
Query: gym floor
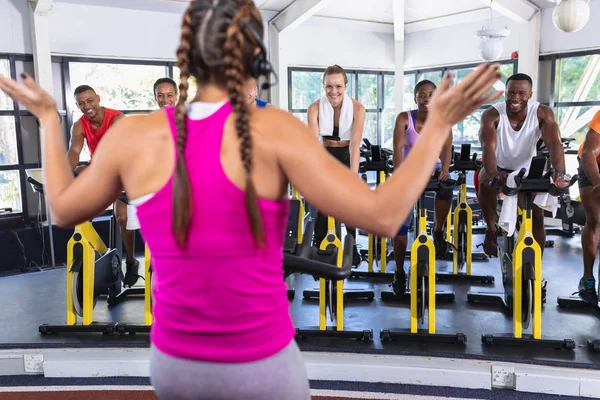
29, 300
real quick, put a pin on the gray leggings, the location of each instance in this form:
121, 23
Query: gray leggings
281, 376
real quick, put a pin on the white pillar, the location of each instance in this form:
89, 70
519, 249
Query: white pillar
279, 92
399, 53
40, 34
529, 49
42, 64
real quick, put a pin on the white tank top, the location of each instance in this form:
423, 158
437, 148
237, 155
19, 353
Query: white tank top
515, 149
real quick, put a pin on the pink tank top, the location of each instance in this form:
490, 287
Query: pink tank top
221, 299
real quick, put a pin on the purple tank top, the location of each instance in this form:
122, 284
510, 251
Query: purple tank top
221, 299
411, 135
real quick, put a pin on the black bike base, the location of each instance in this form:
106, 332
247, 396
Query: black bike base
440, 297
422, 336
348, 294
576, 302
366, 334
594, 345
95, 327
527, 341
490, 298
114, 300
105, 329
462, 277
374, 275
291, 293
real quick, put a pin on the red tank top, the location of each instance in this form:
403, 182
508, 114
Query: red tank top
92, 136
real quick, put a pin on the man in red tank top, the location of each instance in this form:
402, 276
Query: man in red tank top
90, 128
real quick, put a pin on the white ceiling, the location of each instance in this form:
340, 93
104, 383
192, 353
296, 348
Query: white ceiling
361, 10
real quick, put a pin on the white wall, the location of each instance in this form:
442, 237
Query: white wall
113, 32
95, 31
555, 41
453, 44
15, 27
323, 41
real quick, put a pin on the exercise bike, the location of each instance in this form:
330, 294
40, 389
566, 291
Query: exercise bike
94, 270
462, 232
422, 292
521, 262
379, 160
331, 294
295, 227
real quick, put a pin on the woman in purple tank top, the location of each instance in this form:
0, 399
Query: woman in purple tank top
406, 133
210, 181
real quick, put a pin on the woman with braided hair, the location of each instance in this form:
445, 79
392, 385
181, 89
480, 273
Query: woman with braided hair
210, 185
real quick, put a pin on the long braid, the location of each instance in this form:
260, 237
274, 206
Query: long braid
181, 185
234, 72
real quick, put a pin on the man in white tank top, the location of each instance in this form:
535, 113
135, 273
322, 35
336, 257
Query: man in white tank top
509, 134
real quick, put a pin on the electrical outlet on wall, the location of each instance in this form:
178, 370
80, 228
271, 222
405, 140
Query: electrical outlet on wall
503, 377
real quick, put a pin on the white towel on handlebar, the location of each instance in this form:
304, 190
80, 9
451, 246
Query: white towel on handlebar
508, 214
547, 202
346, 118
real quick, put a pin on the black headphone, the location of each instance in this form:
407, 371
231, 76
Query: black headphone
260, 65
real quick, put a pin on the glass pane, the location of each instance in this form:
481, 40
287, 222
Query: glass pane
388, 120
24, 66
350, 88
370, 131
389, 87
505, 69
58, 86
467, 131
120, 86
31, 140
307, 87
578, 78
367, 91
574, 121
192, 89
10, 191
302, 117
8, 141
5, 101
433, 76
408, 103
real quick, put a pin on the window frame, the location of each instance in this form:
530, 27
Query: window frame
554, 104
17, 113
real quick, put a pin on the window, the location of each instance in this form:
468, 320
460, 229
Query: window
124, 87
575, 98
467, 131
192, 87
19, 143
576, 93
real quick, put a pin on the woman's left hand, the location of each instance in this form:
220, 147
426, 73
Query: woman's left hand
34, 98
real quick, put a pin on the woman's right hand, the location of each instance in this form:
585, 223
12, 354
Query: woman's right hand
450, 105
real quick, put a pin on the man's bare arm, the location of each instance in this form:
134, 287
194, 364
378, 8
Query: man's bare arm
75, 145
589, 156
488, 140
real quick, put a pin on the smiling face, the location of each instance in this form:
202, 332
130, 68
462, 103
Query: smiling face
517, 94
88, 103
335, 86
165, 95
